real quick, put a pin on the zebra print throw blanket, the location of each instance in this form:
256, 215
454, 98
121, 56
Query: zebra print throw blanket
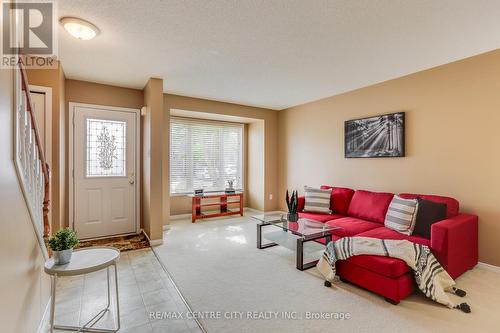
430, 276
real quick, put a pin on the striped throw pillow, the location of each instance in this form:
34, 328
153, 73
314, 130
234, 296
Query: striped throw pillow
401, 215
317, 201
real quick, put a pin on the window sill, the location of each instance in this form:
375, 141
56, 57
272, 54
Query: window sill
179, 194
188, 194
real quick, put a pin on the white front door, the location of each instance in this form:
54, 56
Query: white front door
105, 171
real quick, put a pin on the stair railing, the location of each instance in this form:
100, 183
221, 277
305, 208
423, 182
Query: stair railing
32, 168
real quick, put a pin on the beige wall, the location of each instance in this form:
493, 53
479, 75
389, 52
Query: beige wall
152, 202
256, 165
24, 287
100, 94
154, 151
181, 204
103, 94
452, 138
151, 193
54, 78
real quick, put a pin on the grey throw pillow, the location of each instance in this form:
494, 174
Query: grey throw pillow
401, 215
317, 200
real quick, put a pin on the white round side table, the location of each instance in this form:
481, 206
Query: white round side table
82, 262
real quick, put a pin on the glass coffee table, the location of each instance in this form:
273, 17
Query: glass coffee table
306, 230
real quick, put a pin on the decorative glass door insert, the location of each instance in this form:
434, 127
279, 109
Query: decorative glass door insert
106, 148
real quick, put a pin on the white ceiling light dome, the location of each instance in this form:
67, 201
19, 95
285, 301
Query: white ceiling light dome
79, 28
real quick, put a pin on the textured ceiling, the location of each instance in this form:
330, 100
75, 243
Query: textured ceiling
272, 53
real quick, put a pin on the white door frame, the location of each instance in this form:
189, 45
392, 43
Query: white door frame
48, 134
71, 156
48, 119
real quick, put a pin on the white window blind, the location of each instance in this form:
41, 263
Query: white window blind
205, 155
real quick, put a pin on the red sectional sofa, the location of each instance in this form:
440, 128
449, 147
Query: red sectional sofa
454, 241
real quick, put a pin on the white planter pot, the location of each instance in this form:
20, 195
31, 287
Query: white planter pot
62, 257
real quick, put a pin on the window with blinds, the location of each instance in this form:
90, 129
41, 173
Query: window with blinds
205, 155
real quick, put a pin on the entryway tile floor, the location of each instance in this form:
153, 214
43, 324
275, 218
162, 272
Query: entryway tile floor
149, 301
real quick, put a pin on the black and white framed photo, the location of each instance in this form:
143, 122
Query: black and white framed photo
379, 136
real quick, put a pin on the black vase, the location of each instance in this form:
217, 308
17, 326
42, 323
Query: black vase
292, 217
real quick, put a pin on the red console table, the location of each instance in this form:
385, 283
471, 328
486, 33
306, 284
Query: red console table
222, 204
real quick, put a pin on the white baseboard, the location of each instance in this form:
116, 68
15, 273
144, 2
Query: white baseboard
488, 267
43, 327
256, 211
252, 210
276, 212
154, 242
179, 217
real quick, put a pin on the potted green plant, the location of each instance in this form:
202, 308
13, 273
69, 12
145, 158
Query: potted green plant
62, 244
292, 203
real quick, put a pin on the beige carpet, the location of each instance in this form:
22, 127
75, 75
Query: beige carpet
217, 267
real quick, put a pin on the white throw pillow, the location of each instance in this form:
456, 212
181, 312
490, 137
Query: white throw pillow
317, 200
401, 215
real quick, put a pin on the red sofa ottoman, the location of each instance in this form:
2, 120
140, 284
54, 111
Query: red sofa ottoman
454, 241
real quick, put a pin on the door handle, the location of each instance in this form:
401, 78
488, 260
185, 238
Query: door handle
131, 178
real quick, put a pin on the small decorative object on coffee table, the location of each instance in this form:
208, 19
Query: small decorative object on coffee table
62, 244
292, 204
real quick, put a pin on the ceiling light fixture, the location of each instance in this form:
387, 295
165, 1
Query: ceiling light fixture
79, 28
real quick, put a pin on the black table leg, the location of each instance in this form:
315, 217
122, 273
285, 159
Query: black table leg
300, 253
259, 238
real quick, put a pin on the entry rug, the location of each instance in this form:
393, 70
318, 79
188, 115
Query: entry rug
122, 243
430, 276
